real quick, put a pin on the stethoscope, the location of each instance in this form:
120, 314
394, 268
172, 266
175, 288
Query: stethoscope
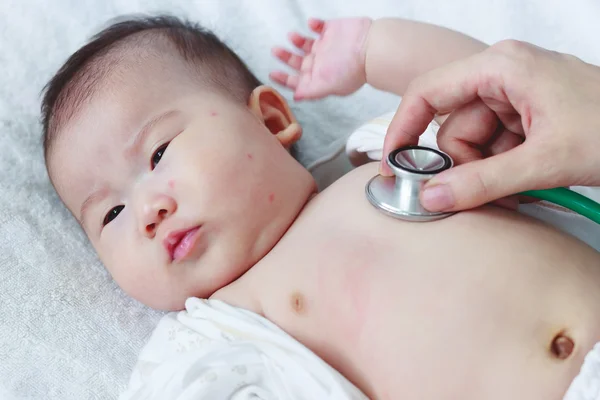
398, 195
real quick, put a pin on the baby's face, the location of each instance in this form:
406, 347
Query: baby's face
180, 189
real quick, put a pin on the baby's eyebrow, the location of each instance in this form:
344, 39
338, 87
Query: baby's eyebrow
94, 197
140, 137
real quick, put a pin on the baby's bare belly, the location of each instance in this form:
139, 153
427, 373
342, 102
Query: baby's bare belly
483, 305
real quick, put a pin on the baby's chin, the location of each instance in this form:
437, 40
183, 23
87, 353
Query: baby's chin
167, 297
150, 294
158, 301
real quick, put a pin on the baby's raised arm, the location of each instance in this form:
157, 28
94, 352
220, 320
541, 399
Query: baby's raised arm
386, 53
398, 50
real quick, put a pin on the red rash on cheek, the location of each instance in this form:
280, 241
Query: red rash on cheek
172, 184
250, 157
213, 113
271, 197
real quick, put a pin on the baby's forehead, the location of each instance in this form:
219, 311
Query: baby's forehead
131, 65
122, 94
112, 114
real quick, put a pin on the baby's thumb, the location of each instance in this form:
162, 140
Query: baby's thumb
479, 182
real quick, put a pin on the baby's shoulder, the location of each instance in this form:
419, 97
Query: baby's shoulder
355, 178
346, 195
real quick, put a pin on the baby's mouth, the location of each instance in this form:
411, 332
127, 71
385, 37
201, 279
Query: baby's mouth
180, 244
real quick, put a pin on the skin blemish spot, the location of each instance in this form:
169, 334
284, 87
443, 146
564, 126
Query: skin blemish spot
250, 156
562, 346
271, 198
213, 113
297, 303
172, 184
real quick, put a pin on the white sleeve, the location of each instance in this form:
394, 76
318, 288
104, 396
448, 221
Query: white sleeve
368, 139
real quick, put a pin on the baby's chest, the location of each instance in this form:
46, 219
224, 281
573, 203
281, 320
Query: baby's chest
328, 289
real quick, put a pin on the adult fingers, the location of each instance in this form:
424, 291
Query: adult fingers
448, 88
479, 182
467, 131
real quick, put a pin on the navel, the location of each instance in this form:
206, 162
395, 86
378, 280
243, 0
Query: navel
562, 346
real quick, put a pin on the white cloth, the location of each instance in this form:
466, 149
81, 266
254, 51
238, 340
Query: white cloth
368, 140
212, 350
586, 385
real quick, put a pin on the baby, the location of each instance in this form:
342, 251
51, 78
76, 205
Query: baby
174, 159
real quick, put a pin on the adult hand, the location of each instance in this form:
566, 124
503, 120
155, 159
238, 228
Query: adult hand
520, 118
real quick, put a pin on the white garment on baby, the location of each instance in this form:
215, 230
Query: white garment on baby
212, 350
586, 385
369, 138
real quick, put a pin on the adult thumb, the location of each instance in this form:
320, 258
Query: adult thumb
479, 182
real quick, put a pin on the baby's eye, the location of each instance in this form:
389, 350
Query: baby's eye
112, 214
158, 155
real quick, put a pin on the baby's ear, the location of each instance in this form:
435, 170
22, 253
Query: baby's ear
270, 107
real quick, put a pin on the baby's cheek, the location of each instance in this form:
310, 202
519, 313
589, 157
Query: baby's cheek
141, 279
121, 252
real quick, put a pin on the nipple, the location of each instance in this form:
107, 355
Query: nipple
297, 303
562, 346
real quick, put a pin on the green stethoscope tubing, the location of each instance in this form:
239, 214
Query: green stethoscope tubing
568, 199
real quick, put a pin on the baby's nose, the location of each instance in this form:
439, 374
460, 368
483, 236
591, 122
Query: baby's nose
154, 212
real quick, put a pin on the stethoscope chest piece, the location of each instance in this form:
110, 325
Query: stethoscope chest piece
398, 196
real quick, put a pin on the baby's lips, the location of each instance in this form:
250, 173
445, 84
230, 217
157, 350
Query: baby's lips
172, 239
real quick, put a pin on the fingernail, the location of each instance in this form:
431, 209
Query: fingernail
437, 198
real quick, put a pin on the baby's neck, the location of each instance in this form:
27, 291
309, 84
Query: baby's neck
239, 293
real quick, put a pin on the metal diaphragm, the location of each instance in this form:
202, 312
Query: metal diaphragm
398, 196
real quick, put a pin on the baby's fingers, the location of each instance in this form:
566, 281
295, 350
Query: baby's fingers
316, 25
280, 77
301, 42
291, 59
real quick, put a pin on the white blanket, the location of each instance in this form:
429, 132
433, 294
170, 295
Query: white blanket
66, 330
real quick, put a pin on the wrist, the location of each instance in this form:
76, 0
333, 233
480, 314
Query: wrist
363, 47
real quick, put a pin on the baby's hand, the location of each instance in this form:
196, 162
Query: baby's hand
334, 63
